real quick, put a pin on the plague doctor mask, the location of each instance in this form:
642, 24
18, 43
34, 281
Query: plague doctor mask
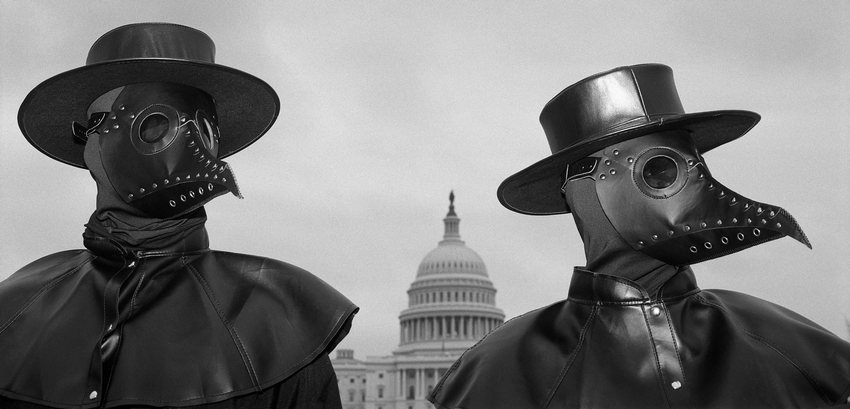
157, 144
624, 149
659, 196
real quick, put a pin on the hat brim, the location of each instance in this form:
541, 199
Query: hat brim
246, 105
536, 190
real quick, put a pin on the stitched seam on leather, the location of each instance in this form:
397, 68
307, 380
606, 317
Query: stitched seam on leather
814, 383
246, 360
41, 291
659, 373
573, 355
675, 344
640, 94
314, 353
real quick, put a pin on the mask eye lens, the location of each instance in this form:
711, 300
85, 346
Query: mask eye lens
660, 172
209, 135
153, 128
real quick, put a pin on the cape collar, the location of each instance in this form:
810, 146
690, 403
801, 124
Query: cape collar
590, 287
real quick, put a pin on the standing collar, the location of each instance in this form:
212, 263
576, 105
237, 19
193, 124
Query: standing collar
194, 240
590, 287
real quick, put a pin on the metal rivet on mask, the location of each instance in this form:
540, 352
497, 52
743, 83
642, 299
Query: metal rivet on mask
607, 162
701, 176
115, 126
130, 196
191, 144
214, 166
749, 221
182, 198
224, 179
154, 186
210, 187
686, 228
215, 176
759, 210
602, 177
747, 205
132, 116
708, 245
740, 236
671, 233
206, 175
724, 240
198, 175
778, 225
719, 222
613, 172
733, 200
641, 243
121, 108
165, 181
183, 119
693, 249
208, 163
703, 225
172, 203
763, 221
177, 178
756, 232
106, 131
192, 194
188, 176
734, 220
631, 160
200, 190
772, 213
655, 237
722, 194
710, 186
141, 190
113, 117
616, 152
690, 162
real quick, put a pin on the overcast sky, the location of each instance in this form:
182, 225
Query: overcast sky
386, 106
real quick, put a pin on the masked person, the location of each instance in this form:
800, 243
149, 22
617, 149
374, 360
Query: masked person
635, 330
147, 314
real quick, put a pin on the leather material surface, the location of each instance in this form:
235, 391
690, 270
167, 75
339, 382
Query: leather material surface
612, 345
693, 219
178, 326
604, 109
176, 172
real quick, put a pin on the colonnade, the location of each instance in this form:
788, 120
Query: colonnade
417, 383
446, 327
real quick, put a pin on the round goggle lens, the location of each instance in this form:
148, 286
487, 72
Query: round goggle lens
660, 172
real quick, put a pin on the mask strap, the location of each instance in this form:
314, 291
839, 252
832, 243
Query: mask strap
81, 133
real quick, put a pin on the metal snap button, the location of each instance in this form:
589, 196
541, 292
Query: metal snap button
93, 395
676, 384
655, 311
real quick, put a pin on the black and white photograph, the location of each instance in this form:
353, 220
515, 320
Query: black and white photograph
424, 204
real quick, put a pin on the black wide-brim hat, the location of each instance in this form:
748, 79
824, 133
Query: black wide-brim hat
602, 110
147, 52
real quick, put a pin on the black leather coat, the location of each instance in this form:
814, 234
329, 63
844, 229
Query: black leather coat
178, 326
611, 345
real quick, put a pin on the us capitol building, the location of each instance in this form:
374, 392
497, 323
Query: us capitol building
451, 305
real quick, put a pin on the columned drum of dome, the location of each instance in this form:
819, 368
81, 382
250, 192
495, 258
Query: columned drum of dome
452, 302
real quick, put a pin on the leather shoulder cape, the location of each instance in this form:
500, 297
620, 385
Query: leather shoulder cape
164, 328
611, 345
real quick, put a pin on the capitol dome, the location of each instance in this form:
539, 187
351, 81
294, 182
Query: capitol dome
452, 302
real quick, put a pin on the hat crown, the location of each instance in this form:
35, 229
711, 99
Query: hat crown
153, 40
613, 101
